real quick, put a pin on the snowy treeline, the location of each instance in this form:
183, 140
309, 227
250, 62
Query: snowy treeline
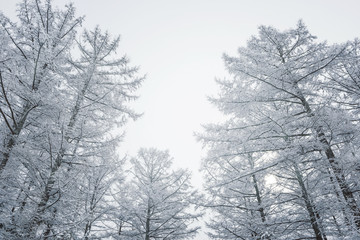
283, 165
62, 94
285, 162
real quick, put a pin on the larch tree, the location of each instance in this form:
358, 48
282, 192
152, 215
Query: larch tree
37, 47
240, 207
277, 107
58, 119
101, 86
160, 201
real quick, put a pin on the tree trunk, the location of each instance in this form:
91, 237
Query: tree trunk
87, 230
10, 139
37, 219
147, 230
313, 214
339, 176
258, 198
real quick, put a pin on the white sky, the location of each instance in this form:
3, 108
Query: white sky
179, 45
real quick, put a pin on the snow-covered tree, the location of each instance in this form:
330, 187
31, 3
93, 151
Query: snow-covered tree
101, 86
160, 201
58, 119
277, 107
37, 47
238, 199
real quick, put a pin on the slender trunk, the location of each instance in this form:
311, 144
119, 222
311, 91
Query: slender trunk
49, 227
313, 214
91, 210
258, 198
340, 199
340, 178
80, 99
87, 230
16, 211
334, 164
148, 215
120, 228
9, 143
257, 192
47, 232
12, 136
37, 219
337, 226
261, 209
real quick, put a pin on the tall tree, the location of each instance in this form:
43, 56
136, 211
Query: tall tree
102, 85
276, 105
162, 200
238, 199
37, 47
58, 116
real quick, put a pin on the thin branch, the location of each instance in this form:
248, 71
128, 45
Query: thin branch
6, 121
7, 100
18, 47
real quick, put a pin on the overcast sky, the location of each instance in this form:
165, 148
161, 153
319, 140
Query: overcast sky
179, 46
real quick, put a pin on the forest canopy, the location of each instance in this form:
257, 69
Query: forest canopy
283, 163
